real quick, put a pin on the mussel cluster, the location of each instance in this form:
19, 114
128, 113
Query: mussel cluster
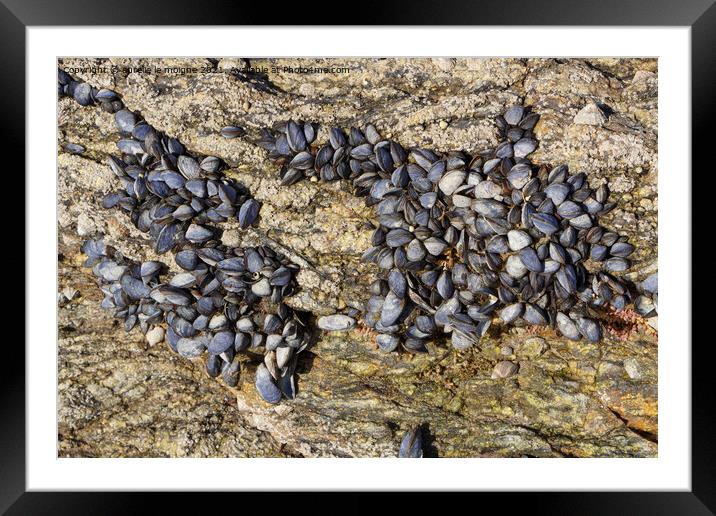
167, 192
462, 239
228, 301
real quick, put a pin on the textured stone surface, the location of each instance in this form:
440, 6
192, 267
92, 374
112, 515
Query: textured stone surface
118, 398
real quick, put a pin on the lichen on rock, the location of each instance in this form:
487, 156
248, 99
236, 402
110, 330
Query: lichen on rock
566, 399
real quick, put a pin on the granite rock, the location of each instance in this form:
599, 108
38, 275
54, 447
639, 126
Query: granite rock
120, 397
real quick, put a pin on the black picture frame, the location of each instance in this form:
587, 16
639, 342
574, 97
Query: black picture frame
699, 15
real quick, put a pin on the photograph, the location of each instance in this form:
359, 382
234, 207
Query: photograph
395, 257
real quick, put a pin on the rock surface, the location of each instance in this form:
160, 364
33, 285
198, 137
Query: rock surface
120, 397
591, 114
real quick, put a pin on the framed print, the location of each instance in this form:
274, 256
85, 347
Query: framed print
259, 252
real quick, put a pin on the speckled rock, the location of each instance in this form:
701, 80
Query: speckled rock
118, 398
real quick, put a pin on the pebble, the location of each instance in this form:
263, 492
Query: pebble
504, 369
155, 335
336, 322
85, 225
533, 347
633, 368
